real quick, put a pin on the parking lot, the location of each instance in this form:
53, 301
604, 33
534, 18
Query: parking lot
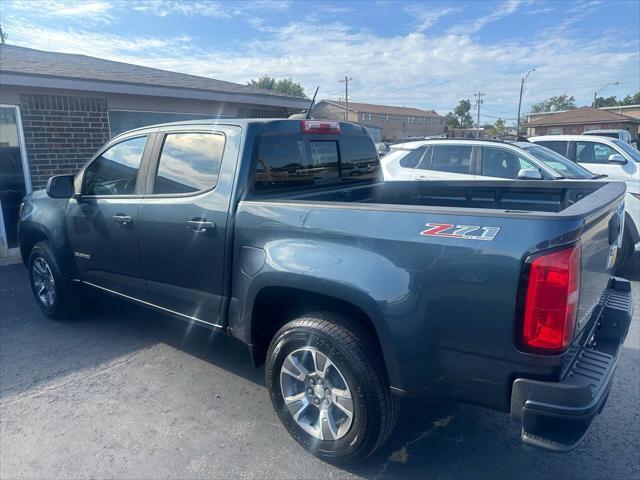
129, 393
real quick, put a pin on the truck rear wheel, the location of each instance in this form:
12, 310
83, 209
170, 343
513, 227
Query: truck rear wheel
626, 251
58, 298
328, 385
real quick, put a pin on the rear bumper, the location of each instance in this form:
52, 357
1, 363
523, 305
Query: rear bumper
557, 415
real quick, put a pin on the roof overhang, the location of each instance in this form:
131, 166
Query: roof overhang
100, 86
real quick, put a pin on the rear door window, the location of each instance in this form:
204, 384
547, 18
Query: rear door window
451, 158
189, 162
558, 146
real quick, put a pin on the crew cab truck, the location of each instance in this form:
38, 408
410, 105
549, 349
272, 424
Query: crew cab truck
355, 292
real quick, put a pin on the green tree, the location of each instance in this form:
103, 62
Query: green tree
631, 99
452, 121
499, 128
607, 102
462, 115
284, 85
554, 104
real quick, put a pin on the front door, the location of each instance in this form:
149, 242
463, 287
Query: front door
14, 177
103, 221
183, 221
594, 156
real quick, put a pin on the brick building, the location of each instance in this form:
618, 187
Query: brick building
579, 120
395, 123
57, 109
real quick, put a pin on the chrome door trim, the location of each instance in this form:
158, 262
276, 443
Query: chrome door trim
153, 305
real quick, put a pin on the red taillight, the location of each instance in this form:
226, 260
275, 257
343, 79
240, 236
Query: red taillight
319, 126
551, 300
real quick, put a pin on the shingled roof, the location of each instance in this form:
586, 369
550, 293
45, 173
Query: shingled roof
27, 61
579, 116
385, 109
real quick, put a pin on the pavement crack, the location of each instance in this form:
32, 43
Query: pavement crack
110, 366
402, 454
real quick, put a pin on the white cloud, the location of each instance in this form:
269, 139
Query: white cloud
426, 16
413, 69
506, 8
86, 11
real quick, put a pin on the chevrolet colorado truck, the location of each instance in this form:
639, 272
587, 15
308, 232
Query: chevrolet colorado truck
353, 291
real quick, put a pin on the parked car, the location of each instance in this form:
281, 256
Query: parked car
607, 156
382, 149
355, 292
462, 159
621, 134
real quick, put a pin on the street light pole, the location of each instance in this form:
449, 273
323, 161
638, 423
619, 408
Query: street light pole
524, 79
595, 95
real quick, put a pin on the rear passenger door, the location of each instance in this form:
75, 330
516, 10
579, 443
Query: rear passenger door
445, 162
183, 223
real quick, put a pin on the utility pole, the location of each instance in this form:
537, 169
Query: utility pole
479, 101
524, 79
346, 96
3, 36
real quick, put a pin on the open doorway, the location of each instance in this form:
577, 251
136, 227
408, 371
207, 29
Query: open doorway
15, 181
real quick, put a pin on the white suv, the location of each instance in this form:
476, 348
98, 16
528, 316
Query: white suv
607, 156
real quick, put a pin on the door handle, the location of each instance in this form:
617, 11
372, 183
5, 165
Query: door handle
122, 219
200, 225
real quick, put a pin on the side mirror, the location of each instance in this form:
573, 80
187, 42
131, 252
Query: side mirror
617, 159
529, 174
61, 186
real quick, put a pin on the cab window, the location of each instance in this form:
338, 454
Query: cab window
115, 171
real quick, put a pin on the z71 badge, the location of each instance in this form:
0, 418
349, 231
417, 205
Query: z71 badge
467, 232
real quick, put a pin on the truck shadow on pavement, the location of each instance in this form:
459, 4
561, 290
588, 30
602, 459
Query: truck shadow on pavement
431, 439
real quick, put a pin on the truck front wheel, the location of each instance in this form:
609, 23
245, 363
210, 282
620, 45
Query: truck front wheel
57, 298
328, 385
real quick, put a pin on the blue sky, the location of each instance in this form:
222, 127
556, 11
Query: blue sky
427, 54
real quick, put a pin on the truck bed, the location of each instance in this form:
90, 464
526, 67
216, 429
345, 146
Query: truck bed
533, 196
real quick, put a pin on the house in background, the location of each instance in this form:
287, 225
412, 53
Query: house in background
57, 109
579, 120
395, 123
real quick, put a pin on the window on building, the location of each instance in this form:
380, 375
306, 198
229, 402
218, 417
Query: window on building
554, 130
451, 158
115, 171
189, 162
122, 121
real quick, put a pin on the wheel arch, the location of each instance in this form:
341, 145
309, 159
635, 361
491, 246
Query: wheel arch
275, 304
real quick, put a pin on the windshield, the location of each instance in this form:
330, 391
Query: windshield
629, 150
560, 164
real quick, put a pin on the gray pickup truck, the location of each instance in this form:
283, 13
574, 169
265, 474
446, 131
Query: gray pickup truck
355, 292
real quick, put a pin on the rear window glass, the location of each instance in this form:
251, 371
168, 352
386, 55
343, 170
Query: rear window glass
290, 161
557, 146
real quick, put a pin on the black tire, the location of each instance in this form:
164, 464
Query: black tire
626, 251
67, 298
354, 351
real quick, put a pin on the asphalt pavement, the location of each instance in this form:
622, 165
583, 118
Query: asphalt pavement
128, 393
